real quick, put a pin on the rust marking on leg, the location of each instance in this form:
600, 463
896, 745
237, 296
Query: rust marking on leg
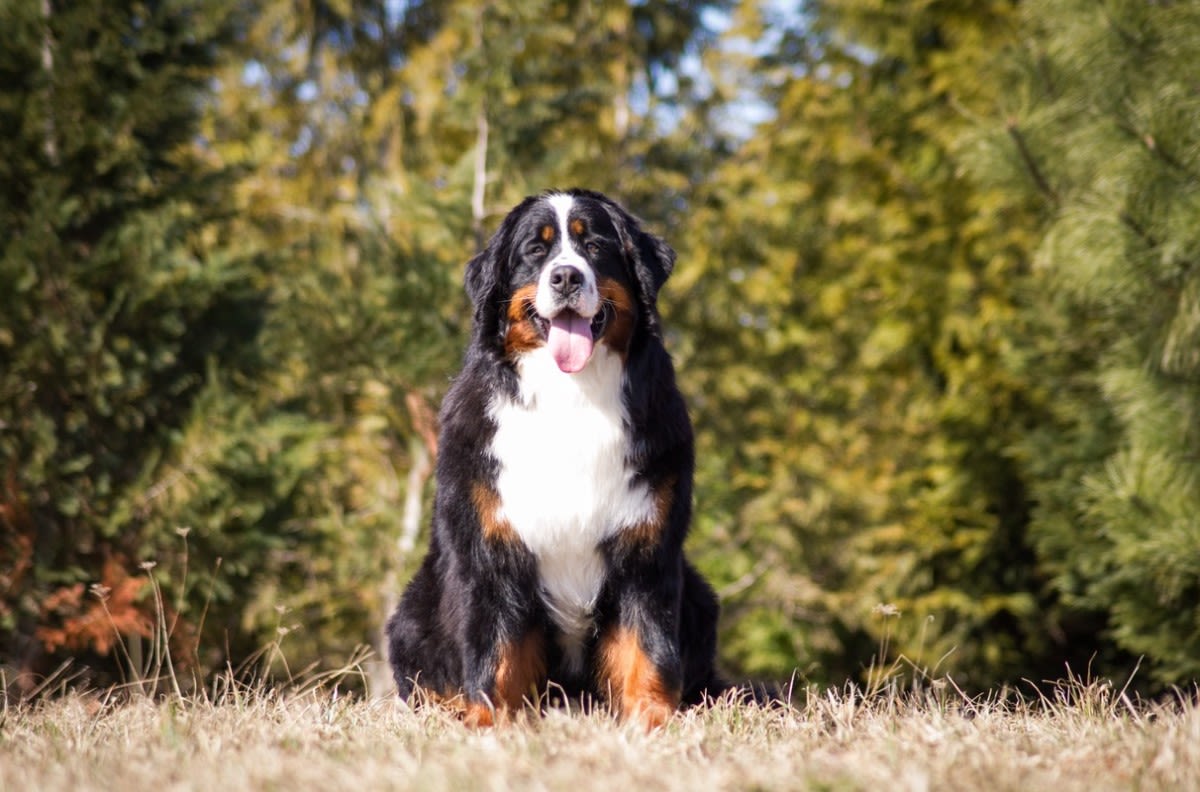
648, 532
520, 671
478, 715
487, 506
635, 687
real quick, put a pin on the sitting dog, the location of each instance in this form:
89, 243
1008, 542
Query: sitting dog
564, 484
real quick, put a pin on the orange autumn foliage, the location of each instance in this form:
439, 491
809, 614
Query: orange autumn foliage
76, 621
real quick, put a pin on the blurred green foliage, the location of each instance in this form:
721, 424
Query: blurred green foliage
1103, 134
937, 314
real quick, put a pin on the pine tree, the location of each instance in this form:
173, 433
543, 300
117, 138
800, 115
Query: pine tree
855, 316
1104, 131
117, 303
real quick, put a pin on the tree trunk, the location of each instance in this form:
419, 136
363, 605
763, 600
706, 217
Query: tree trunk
49, 133
479, 189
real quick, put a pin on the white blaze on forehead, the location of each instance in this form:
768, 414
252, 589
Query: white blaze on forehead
562, 209
546, 302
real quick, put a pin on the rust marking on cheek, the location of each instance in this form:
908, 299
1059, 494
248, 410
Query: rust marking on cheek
577, 227
619, 330
546, 233
522, 335
487, 504
520, 671
635, 687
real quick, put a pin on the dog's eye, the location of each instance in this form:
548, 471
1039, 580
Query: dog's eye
593, 247
535, 249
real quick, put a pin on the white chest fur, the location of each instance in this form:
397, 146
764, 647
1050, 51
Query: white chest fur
563, 481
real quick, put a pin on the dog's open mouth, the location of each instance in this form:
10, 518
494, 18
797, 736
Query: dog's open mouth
571, 337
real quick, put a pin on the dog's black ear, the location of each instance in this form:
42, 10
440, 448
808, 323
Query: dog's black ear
481, 278
651, 257
653, 263
488, 270
485, 275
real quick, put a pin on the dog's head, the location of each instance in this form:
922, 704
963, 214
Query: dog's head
568, 270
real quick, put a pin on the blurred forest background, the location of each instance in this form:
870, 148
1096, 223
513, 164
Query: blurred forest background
937, 314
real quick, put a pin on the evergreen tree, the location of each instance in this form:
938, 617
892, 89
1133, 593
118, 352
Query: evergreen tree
117, 304
855, 309
1104, 131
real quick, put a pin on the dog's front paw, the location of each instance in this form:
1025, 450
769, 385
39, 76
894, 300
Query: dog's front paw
651, 713
479, 715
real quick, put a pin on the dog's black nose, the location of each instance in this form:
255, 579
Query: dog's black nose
566, 279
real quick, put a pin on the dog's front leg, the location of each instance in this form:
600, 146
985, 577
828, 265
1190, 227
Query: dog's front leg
504, 649
637, 657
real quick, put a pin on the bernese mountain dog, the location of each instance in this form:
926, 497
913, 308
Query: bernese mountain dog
564, 484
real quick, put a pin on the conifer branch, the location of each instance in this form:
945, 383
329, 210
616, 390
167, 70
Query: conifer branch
1030, 163
1042, 64
1138, 229
1151, 144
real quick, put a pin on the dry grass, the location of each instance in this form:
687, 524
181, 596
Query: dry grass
1075, 737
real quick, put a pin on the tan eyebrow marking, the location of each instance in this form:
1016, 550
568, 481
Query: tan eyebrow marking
547, 233
577, 227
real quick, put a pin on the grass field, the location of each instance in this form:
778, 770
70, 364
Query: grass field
1066, 737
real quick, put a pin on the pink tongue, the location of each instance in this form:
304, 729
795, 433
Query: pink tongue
570, 341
